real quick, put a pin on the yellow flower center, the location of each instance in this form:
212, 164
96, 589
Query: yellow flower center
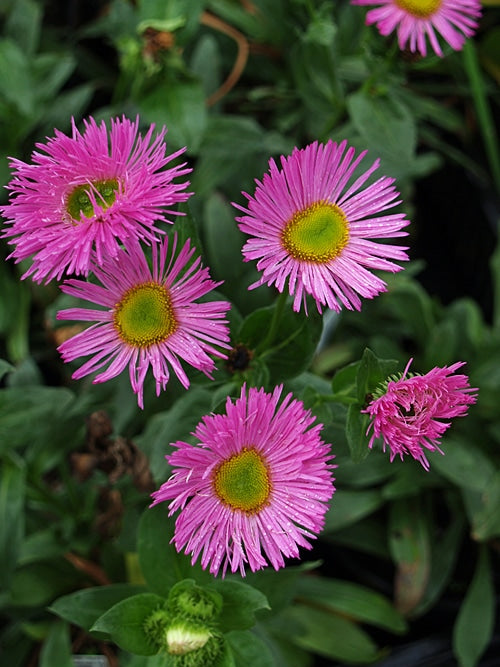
242, 481
145, 316
422, 9
79, 201
317, 234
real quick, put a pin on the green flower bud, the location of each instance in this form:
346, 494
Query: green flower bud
188, 600
191, 644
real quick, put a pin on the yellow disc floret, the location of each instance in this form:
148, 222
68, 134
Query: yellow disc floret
316, 234
422, 9
145, 316
242, 481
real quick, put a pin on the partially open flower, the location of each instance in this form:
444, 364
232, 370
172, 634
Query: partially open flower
411, 413
83, 195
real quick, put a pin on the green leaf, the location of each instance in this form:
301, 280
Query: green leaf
347, 507
278, 585
223, 240
344, 381
12, 492
172, 425
463, 464
5, 368
24, 23
294, 342
474, 625
410, 304
84, 607
483, 509
125, 623
330, 635
56, 649
180, 105
372, 372
241, 601
409, 542
356, 426
248, 649
353, 600
444, 554
162, 566
387, 128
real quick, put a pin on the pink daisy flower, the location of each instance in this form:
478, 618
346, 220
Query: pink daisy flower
408, 412
86, 193
254, 489
307, 226
415, 20
150, 317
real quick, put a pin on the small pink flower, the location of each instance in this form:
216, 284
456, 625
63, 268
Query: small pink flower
151, 317
86, 193
307, 225
415, 20
255, 487
408, 415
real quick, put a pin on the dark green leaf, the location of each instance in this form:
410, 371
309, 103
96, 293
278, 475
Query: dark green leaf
332, 636
356, 426
248, 649
125, 623
353, 600
372, 372
84, 607
180, 105
12, 492
347, 507
474, 625
56, 649
161, 565
463, 464
410, 546
241, 601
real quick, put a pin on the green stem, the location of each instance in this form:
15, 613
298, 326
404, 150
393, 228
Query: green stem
279, 306
483, 109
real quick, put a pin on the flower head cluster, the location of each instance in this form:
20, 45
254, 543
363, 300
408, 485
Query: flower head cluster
417, 20
307, 225
150, 317
411, 413
84, 195
255, 487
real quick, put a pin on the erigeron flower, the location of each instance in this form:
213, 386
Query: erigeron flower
254, 489
308, 225
82, 196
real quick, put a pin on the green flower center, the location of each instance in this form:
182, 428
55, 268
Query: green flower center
242, 481
79, 201
317, 234
422, 9
145, 316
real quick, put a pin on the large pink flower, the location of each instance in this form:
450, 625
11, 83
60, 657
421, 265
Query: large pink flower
86, 193
412, 413
151, 317
307, 225
258, 481
415, 20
